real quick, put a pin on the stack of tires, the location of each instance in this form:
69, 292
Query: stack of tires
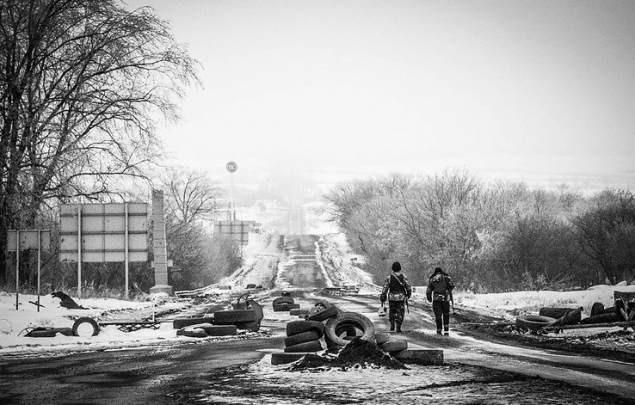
337, 328
304, 337
284, 304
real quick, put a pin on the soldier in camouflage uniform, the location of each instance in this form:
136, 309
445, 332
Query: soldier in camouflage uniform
439, 293
397, 291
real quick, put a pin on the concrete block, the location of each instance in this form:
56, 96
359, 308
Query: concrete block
285, 358
162, 289
423, 357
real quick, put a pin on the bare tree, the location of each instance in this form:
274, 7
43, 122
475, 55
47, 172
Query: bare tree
606, 233
199, 258
82, 84
192, 195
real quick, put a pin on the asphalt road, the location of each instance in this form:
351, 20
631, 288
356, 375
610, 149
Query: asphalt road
140, 376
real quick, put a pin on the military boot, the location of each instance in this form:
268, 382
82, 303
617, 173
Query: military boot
392, 326
398, 327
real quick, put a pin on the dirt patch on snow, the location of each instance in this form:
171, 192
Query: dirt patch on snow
357, 354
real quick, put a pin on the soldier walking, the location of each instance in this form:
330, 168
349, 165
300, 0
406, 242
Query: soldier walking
397, 291
439, 292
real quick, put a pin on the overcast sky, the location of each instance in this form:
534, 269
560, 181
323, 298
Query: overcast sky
516, 89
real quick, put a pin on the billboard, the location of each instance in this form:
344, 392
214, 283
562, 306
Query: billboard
28, 240
106, 231
236, 230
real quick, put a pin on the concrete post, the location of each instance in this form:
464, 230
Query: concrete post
160, 245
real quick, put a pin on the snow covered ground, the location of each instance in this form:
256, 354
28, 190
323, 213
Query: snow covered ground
260, 260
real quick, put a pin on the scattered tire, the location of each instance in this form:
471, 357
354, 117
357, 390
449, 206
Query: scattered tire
220, 330
285, 307
349, 319
253, 326
232, 317
602, 318
191, 332
295, 327
85, 326
299, 311
306, 347
394, 345
533, 322
597, 309
183, 322
348, 332
285, 358
303, 337
381, 337
322, 311
554, 312
49, 332
283, 300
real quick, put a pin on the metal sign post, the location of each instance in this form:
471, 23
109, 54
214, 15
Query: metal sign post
27, 240
231, 168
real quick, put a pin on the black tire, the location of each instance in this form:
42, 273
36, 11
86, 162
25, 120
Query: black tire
281, 307
253, 326
344, 320
285, 358
394, 345
181, 323
347, 332
191, 332
285, 307
220, 330
303, 337
283, 300
597, 309
233, 317
533, 322
79, 327
310, 347
554, 312
299, 311
602, 318
381, 337
49, 332
322, 315
295, 327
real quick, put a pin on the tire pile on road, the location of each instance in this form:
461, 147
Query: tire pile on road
337, 329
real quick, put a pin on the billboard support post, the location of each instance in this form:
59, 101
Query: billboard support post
26, 240
17, 268
126, 248
79, 252
39, 266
